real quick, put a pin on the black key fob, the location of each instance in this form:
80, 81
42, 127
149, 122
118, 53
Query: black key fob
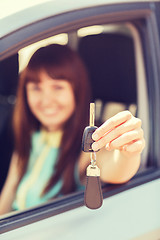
87, 138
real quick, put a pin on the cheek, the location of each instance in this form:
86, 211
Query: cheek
71, 100
68, 102
66, 96
73, 104
32, 101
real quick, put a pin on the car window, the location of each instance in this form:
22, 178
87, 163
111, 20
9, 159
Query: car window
116, 52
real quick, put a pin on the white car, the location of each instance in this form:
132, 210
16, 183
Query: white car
119, 42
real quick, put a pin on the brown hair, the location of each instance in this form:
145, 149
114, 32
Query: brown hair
60, 62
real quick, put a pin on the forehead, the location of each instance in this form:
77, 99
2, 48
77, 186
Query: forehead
42, 76
46, 80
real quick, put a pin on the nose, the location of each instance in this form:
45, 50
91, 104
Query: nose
48, 97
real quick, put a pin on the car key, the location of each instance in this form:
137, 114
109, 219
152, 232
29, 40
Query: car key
88, 131
93, 197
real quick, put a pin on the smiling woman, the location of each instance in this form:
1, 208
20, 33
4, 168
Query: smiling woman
63, 75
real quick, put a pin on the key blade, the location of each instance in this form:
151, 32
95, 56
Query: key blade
92, 114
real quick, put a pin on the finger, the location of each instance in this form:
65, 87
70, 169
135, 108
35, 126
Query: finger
111, 123
136, 146
126, 138
131, 124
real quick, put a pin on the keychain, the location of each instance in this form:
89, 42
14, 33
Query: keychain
93, 197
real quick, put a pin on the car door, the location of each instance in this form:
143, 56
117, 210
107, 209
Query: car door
131, 210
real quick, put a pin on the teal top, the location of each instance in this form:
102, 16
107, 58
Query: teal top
40, 167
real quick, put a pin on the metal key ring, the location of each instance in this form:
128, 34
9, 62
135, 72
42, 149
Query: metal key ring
93, 158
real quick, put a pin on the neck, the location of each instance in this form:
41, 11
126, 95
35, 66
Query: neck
51, 129
53, 138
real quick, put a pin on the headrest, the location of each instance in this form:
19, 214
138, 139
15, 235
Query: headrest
110, 60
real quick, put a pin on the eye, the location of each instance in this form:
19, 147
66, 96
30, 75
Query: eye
34, 87
58, 87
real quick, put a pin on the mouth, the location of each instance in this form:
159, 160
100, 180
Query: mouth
50, 112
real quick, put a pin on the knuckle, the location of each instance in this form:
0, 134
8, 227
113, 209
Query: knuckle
128, 113
112, 122
113, 144
138, 122
137, 134
141, 133
128, 137
139, 145
143, 143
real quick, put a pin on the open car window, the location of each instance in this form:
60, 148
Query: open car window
112, 54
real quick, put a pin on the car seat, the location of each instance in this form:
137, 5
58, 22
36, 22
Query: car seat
110, 61
8, 86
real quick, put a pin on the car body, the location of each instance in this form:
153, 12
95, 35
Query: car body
131, 28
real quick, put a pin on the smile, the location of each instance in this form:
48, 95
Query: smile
50, 112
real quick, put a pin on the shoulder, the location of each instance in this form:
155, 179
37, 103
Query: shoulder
14, 174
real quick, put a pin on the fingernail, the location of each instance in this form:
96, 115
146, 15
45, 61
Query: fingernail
107, 147
124, 148
95, 136
95, 146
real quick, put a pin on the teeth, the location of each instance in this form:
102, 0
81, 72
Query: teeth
49, 111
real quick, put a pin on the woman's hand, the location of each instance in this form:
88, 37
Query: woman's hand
122, 131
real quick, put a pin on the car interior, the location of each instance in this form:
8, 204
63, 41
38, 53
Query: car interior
109, 56
8, 86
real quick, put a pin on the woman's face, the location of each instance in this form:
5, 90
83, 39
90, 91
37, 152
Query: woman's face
51, 101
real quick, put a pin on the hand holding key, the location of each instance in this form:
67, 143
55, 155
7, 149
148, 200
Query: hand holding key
122, 131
